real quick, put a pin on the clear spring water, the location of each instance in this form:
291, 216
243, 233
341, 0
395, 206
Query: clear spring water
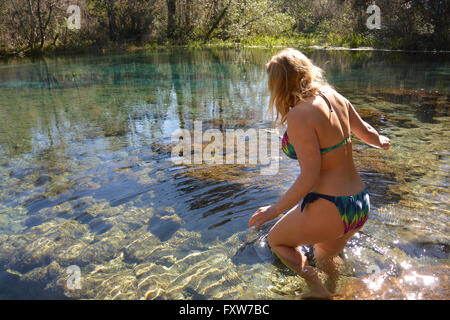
85, 176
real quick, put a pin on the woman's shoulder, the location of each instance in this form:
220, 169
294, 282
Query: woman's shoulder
312, 107
332, 93
304, 112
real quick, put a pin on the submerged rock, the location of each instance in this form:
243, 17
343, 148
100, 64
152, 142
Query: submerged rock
372, 116
424, 283
41, 180
38, 283
164, 226
430, 104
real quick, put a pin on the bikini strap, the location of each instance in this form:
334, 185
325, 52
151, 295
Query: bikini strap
326, 100
312, 196
331, 110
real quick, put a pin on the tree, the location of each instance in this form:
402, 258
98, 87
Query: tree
171, 26
437, 12
32, 19
125, 19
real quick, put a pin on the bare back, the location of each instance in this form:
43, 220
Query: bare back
338, 175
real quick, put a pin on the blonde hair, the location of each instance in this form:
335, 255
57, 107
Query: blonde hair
292, 78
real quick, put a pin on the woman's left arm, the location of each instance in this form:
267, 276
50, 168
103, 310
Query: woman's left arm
302, 135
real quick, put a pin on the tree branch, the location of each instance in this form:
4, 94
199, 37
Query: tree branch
216, 23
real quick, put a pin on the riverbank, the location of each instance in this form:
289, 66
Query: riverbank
355, 42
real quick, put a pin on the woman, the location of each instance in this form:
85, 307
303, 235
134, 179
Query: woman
335, 202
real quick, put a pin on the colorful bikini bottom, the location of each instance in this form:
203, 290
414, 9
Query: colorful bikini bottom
354, 210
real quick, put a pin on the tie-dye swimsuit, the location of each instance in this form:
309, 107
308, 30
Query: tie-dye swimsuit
354, 210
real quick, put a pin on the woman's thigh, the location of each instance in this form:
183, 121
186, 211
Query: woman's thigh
333, 247
320, 221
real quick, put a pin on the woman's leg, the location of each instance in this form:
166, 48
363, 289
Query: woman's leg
326, 255
297, 262
319, 222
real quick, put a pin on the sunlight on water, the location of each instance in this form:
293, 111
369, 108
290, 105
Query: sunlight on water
86, 177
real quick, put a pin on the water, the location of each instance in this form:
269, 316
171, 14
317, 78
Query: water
86, 178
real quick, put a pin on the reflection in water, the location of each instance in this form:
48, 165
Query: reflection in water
85, 176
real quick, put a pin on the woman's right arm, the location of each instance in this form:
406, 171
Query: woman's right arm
365, 131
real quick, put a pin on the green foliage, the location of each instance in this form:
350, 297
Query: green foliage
254, 17
356, 40
149, 24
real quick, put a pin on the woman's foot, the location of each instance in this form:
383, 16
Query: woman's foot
313, 294
317, 289
331, 283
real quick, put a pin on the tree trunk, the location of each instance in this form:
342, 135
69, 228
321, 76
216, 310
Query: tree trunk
31, 39
41, 25
187, 16
111, 19
171, 8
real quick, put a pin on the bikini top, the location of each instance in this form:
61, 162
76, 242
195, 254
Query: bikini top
288, 148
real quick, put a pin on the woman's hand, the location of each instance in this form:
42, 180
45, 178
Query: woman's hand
263, 215
385, 142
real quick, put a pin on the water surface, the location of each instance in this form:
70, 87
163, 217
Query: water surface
86, 177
